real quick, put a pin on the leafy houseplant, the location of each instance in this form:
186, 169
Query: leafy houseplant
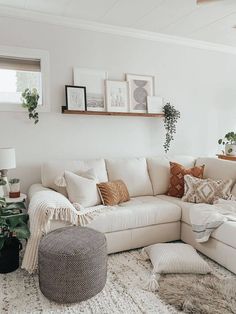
30, 101
229, 141
171, 118
13, 228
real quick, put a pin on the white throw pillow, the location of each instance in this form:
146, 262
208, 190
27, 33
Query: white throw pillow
82, 189
176, 258
133, 172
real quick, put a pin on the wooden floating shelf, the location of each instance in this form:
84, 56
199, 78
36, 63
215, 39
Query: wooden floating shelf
226, 157
105, 113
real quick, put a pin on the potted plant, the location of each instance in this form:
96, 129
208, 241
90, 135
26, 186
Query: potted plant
171, 116
13, 228
30, 101
14, 188
229, 141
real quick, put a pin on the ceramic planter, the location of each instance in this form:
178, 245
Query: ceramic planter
230, 149
9, 256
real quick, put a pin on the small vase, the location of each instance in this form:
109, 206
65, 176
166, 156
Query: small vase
230, 149
14, 190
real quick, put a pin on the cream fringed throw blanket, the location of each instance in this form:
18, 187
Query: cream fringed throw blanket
45, 206
206, 218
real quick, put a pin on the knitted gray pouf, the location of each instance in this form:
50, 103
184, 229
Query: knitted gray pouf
72, 264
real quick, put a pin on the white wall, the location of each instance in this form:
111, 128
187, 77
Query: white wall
200, 83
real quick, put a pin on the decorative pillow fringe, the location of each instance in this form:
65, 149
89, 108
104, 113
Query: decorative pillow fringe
152, 284
144, 256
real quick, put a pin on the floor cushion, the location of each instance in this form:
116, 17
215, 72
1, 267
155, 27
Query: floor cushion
176, 258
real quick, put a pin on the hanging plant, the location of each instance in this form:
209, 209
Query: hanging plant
171, 118
30, 101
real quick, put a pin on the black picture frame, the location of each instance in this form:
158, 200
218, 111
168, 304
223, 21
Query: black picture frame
72, 106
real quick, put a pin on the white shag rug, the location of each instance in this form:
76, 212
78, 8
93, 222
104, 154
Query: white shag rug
124, 291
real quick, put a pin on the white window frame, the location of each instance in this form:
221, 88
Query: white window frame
43, 56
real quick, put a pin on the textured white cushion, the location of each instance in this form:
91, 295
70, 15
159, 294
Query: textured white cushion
176, 258
54, 169
159, 170
133, 172
138, 212
82, 189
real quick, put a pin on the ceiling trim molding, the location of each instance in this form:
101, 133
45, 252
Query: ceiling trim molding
33, 16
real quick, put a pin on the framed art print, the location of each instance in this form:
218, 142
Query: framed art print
94, 82
140, 86
155, 104
117, 96
75, 97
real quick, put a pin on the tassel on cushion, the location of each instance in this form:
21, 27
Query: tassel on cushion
153, 285
144, 256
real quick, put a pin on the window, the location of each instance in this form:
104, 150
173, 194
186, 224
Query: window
21, 69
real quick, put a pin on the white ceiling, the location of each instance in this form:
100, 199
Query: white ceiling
211, 22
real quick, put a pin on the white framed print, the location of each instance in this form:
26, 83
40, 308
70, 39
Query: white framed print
140, 86
117, 96
75, 97
155, 104
94, 82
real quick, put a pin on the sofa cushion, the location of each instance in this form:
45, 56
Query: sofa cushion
133, 172
159, 170
218, 169
177, 174
226, 233
54, 169
138, 212
183, 205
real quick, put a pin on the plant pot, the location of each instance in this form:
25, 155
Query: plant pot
230, 149
9, 256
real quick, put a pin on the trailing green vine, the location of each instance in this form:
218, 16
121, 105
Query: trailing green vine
30, 101
171, 118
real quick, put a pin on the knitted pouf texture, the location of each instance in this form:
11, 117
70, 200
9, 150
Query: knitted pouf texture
72, 264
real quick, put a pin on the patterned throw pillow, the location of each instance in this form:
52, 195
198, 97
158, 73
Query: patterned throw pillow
205, 191
113, 192
177, 173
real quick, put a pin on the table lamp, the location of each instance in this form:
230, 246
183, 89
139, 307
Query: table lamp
7, 161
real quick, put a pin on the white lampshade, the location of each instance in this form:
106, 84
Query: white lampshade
7, 158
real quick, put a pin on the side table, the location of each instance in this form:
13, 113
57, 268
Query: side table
22, 198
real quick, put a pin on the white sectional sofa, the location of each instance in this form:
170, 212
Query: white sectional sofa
150, 216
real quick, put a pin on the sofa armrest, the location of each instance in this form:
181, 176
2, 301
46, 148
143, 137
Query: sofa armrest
36, 188
44, 206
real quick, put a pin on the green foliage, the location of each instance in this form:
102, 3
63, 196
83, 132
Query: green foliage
171, 118
13, 223
14, 181
30, 101
2, 182
229, 138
